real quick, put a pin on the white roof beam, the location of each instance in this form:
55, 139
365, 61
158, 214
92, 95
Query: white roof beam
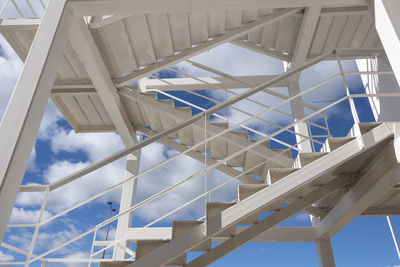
123, 7
186, 54
377, 181
85, 46
261, 49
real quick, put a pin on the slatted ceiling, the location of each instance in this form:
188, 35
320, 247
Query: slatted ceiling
64, 110
249, 15
335, 32
179, 24
269, 35
265, 11
255, 36
89, 109
65, 69
101, 109
143, 47
349, 29
75, 62
361, 32
15, 44
285, 34
321, 34
198, 24
120, 47
24, 40
160, 34
133, 111
102, 44
216, 22
372, 39
75, 110
233, 19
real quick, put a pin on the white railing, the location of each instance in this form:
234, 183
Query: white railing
153, 137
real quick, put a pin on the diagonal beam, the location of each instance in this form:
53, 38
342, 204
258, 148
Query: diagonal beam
231, 35
85, 46
200, 157
380, 178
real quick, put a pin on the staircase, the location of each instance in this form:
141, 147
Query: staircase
160, 114
312, 177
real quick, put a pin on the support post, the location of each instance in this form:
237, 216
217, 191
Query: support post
325, 253
387, 24
24, 113
127, 201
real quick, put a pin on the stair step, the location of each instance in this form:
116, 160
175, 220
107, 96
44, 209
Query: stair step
145, 247
150, 94
215, 208
237, 161
305, 158
114, 263
246, 190
168, 121
187, 110
219, 146
275, 174
167, 101
333, 143
362, 127
180, 227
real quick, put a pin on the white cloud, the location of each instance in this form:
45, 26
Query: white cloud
6, 257
22, 216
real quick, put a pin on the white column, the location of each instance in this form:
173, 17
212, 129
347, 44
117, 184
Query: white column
24, 113
127, 200
298, 112
325, 253
387, 23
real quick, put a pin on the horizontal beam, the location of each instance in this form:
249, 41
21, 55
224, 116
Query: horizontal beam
275, 234
261, 49
123, 7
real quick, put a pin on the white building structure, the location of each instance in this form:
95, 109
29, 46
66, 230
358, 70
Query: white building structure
97, 61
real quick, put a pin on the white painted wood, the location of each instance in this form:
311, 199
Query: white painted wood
337, 28
127, 201
231, 35
387, 24
274, 219
88, 52
198, 26
179, 25
160, 35
325, 253
380, 177
24, 113
121, 7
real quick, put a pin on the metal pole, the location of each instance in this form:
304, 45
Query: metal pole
393, 235
108, 225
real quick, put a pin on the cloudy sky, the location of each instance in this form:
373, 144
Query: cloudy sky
58, 151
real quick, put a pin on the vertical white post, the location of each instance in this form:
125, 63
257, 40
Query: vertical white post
325, 253
298, 112
387, 24
24, 113
127, 200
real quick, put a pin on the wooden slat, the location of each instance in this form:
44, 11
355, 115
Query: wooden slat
249, 15
372, 38
117, 42
74, 108
285, 34
255, 36
101, 110
216, 23
269, 35
361, 32
233, 19
179, 23
335, 32
198, 24
90, 110
349, 30
143, 47
75, 62
133, 111
160, 34
321, 34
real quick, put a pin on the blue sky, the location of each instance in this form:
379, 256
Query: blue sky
59, 151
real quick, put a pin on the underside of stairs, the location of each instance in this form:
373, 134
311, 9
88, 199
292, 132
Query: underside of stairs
344, 163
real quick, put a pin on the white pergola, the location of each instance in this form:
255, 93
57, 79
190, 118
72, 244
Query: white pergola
97, 60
